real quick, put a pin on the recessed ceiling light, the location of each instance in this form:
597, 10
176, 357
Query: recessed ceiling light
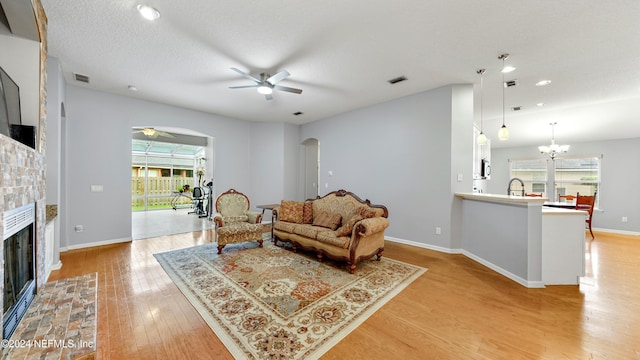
539, 104
132, 88
543, 83
508, 69
148, 12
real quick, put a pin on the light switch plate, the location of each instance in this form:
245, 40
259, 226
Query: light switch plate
97, 188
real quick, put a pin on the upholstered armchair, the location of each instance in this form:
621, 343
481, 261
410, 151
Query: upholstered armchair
234, 221
233, 206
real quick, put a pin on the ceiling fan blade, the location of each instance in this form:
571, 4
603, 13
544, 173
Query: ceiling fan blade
278, 77
244, 74
243, 87
268, 97
288, 89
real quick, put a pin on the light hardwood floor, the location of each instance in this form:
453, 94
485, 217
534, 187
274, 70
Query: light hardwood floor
458, 309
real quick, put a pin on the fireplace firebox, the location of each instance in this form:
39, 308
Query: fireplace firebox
19, 266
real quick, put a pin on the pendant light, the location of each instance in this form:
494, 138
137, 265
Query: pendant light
482, 138
503, 134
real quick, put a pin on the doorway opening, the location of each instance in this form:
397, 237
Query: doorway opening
311, 167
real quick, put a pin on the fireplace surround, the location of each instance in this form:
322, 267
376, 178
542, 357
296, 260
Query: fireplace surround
19, 265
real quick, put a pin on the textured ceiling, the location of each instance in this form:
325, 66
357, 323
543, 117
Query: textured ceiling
341, 53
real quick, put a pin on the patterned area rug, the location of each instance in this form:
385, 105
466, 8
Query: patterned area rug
267, 303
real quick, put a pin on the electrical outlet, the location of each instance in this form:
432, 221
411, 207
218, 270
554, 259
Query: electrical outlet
438, 230
624, 219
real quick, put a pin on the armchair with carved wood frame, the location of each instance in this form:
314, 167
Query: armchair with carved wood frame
235, 222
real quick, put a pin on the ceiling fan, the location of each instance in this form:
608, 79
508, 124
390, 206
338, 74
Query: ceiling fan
267, 83
153, 133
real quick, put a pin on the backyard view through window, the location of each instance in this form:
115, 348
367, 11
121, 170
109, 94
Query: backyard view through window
570, 176
159, 173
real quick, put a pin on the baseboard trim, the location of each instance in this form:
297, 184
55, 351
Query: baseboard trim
423, 245
498, 269
503, 272
53, 267
613, 231
93, 244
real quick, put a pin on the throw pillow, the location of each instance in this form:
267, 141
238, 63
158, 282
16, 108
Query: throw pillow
290, 211
331, 221
347, 227
307, 212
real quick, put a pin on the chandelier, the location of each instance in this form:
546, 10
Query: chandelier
553, 149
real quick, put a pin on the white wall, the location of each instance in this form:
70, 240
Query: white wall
99, 152
20, 69
619, 190
267, 152
399, 154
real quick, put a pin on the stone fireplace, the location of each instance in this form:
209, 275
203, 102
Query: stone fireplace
22, 169
19, 266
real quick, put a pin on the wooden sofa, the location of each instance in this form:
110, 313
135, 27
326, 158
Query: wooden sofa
338, 225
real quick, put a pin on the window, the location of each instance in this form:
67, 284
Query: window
570, 175
533, 172
578, 175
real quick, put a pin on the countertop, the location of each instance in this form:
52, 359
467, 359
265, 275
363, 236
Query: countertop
52, 212
507, 199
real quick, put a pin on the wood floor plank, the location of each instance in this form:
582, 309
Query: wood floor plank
457, 309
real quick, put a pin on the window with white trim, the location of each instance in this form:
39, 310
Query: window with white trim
571, 175
533, 172
579, 175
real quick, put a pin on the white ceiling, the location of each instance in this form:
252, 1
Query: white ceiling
341, 53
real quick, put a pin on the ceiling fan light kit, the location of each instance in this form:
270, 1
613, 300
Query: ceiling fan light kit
153, 133
267, 83
148, 12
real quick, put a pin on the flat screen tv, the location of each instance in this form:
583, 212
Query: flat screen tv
9, 103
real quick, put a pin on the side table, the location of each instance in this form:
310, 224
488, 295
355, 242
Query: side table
269, 207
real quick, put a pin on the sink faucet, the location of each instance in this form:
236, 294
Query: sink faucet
511, 182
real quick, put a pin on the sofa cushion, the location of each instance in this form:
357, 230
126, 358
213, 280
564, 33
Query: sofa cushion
234, 219
347, 227
284, 226
291, 211
307, 212
331, 221
329, 237
308, 230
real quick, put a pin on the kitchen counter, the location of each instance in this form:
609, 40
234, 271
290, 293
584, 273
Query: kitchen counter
519, 238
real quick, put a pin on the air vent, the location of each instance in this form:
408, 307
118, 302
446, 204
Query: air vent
511, 83
516, 108
81, 78
298, 113
397, 80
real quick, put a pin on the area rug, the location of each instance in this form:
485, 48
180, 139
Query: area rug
268, 303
